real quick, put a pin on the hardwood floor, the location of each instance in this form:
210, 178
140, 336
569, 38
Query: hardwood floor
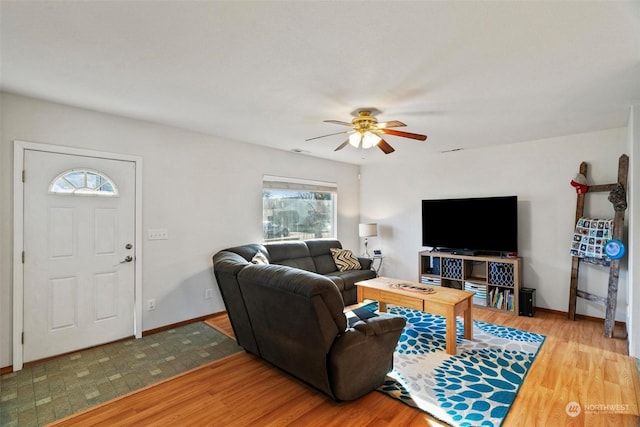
576, 363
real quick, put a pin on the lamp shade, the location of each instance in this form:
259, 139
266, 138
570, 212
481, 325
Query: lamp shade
368, 230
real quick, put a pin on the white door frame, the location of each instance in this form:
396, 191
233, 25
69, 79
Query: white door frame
18, 235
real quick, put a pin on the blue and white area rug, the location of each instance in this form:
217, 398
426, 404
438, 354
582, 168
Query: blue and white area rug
475, 387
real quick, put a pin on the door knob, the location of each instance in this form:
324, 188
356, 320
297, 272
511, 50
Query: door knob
128, 246
128, 258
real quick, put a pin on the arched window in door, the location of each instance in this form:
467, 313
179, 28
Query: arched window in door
83, 182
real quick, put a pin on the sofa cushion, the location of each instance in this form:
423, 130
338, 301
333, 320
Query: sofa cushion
345, 260
320, 251
291, 254
337, 280
347, 279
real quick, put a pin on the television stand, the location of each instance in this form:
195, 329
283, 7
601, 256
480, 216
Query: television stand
494, 279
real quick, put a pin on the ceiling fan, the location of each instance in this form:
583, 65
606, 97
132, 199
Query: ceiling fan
366, 132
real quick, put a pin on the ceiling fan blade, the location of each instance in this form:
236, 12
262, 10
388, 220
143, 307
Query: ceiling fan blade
331, 134
338, 122
385, 147
391, 124
404, 134
341, 146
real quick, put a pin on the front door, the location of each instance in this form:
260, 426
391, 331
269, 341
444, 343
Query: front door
79, 229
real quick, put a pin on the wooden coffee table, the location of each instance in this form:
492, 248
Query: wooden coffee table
446, 302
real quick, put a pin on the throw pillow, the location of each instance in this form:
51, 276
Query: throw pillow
344, 259
259, 258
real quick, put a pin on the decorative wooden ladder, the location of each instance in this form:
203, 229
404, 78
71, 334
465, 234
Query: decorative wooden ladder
614, 268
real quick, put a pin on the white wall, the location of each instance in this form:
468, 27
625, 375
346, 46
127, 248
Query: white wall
634, 231
538, 172
206, 191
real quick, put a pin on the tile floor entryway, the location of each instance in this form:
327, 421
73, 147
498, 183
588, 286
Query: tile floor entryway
54, 389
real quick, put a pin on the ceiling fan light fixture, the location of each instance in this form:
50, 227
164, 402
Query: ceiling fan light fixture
366, 132
370, 140
354, 139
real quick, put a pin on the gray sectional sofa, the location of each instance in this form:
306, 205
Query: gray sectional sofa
290, 312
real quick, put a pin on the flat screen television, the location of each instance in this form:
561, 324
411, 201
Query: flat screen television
471, 225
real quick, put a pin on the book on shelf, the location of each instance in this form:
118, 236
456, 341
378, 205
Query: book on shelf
501, 299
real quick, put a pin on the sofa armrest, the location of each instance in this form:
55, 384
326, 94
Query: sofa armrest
365, 262
379, 325
229, 262
362, 356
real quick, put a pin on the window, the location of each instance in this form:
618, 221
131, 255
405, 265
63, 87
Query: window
295, 209
83, 182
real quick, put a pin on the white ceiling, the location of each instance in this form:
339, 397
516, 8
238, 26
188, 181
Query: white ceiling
467, 74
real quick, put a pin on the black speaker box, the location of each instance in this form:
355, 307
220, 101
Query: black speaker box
527, 303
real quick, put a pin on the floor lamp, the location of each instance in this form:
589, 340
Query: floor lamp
367, 230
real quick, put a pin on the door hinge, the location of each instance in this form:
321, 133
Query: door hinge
23, 338
23, 257
24, 174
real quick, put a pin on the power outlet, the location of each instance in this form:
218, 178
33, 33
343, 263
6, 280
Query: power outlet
157, 234
151, 304
208, 293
